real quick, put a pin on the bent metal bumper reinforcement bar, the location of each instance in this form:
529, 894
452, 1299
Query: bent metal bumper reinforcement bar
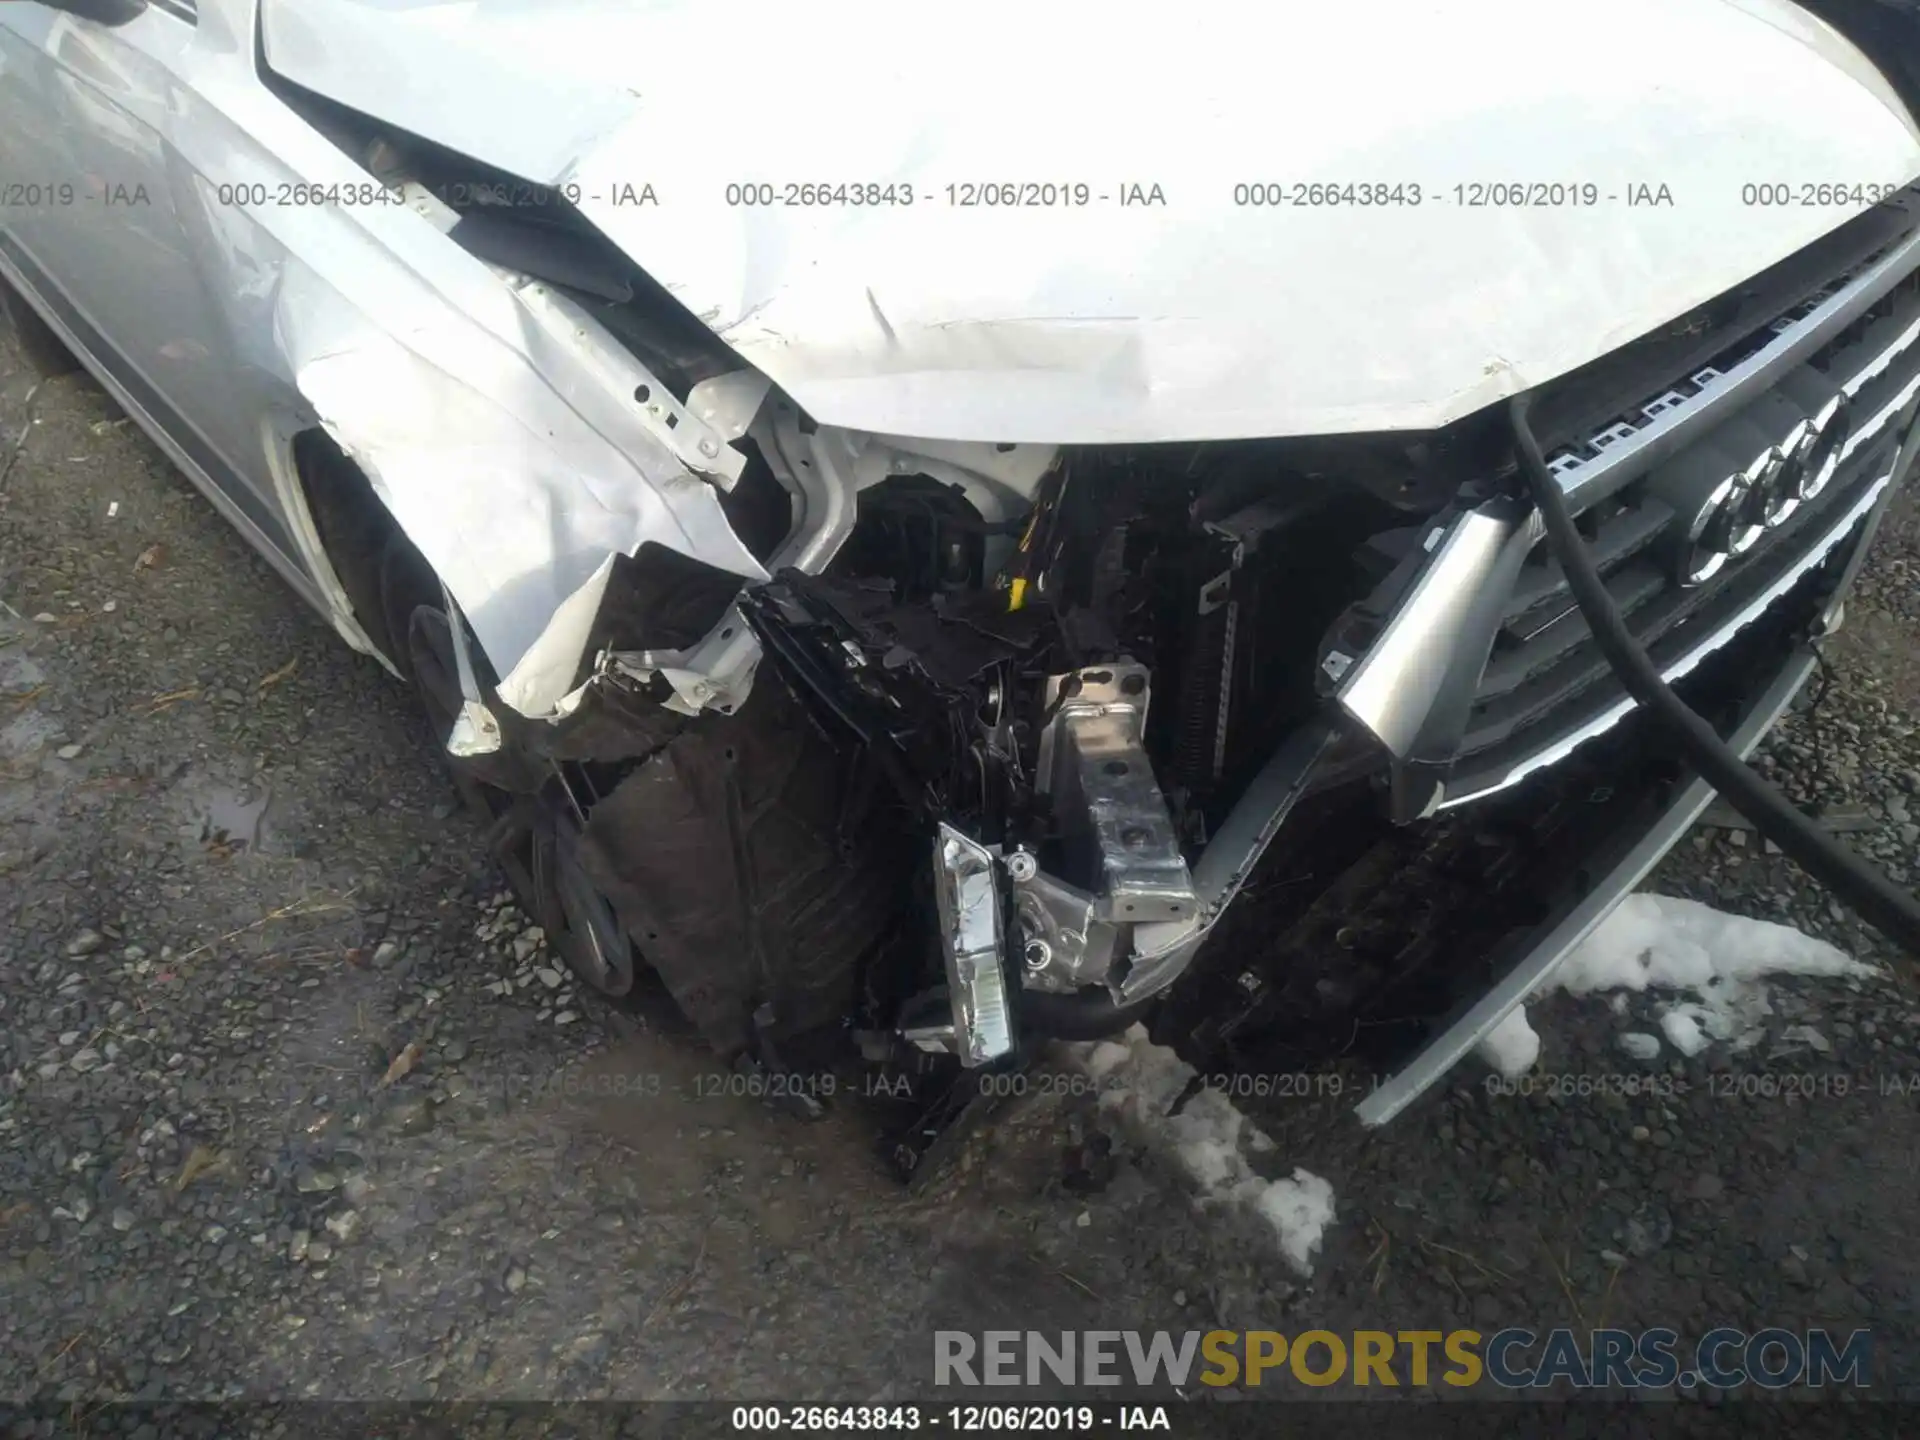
1451, 1046
1162, 951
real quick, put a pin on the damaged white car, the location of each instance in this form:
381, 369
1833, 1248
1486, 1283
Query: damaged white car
952, 531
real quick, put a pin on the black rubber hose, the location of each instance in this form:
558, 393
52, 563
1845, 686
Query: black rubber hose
1089, 1014
1879, 902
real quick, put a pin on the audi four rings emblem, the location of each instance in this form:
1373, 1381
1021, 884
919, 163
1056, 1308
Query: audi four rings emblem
1741, 484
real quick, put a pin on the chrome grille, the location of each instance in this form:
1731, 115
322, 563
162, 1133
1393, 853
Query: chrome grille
1546, 687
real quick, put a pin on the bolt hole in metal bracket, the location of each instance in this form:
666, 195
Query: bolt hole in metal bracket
1064, 945
1093, 765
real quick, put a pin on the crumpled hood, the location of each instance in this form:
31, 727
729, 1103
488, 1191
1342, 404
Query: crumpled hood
1195, 318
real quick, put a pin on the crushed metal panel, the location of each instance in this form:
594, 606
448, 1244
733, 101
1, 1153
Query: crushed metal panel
1176, 328
501, 429
518, 466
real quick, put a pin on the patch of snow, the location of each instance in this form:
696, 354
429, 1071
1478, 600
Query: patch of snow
1681, 1025
1511, 1047
1668, 943
1680, 944
1640, 1045
1208, 1139
1300, 1210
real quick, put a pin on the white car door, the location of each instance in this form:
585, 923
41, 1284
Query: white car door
108, 219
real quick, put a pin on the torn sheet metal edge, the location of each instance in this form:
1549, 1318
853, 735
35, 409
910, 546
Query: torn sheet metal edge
726, 685
824, 472
716, 674
484, 426
536, 405
660, 501
475, 731
553, 659
967, 890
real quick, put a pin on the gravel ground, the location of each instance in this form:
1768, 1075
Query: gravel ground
293, 1104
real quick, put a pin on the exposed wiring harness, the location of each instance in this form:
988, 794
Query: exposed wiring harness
1881, 903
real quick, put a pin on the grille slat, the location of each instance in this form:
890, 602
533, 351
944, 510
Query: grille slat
1546, 681
1511, 722
1632, 589
1541, 597
1877, 402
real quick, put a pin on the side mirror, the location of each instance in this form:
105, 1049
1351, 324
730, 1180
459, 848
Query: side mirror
104, 12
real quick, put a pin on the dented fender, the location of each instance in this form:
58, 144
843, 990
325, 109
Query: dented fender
514, 442
504, 457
